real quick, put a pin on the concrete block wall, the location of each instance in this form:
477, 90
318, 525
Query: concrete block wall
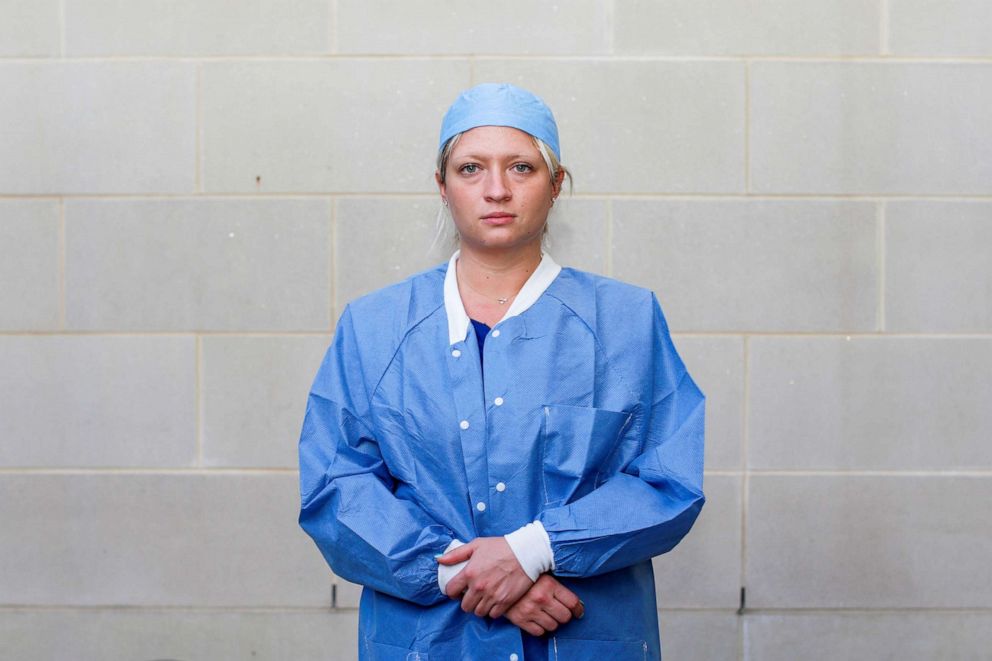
191, 191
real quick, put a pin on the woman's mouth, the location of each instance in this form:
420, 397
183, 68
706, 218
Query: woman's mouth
498, 218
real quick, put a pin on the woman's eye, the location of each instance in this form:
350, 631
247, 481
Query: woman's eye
522, 167
469, 168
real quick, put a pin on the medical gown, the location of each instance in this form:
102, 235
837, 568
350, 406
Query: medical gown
584, 419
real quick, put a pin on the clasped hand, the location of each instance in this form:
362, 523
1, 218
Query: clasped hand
493, 584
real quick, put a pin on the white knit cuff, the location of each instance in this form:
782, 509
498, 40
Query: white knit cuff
447, 572
532, 546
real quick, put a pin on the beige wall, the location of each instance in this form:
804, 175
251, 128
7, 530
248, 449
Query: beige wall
190, 191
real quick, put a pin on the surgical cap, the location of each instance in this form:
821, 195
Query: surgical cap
500, 104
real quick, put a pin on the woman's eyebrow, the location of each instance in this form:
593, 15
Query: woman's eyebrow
480, 157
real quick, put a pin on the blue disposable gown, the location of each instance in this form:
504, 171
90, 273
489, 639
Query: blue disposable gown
599, 435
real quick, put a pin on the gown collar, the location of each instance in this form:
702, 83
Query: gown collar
458, 319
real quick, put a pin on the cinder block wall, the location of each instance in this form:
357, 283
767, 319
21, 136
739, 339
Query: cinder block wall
191, 190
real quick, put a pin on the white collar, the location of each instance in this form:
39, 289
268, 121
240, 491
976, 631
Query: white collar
536, 284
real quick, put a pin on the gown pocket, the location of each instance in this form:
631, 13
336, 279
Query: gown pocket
577, 444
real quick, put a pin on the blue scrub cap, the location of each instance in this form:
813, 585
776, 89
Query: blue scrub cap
500, 104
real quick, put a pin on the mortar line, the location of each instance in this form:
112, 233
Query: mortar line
883, 27
945, 473
796, 611
471, 71
745, 486
745, 462
144, 470
198, 394
187, 333
198, 158
742, 651
332, 258
747, 126
786, 335
165, 608
61, 266
555, 58
880, 214
645, 196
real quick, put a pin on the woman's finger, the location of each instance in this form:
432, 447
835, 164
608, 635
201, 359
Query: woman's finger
558, 611
483, 608
456, 586
545, 621
532, 628
570, 600
471, 600
454, 556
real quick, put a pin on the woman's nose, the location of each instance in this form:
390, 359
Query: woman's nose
497, 188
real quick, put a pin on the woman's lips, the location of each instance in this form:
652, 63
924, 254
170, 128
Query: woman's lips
498, 218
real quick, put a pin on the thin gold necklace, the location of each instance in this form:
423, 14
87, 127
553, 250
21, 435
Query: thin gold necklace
498, 299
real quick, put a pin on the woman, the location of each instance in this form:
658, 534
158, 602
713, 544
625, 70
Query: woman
496, 448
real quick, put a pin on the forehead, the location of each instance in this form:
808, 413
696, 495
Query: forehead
494, 141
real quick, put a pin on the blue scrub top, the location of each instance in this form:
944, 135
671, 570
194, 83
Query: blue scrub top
584, 419
481, 331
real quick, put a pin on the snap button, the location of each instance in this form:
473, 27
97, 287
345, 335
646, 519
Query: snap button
500, 487
463, 424
498, 401
495, 333
456, 353
480, 506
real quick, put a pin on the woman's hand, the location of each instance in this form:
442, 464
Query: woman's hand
546, 606
491, 582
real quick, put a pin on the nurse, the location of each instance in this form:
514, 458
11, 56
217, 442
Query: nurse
495, 448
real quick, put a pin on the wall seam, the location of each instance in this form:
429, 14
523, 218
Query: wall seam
192, 471
61, 239
745, 487
980, 474
880, 214
198, 175
747, 127
647, 196
332, 258
783, 335
391, 57
198, 397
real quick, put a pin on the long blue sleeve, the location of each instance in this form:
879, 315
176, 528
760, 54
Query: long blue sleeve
649, 505
366, 533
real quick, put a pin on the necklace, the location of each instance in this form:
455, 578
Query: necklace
498, 299
502, 300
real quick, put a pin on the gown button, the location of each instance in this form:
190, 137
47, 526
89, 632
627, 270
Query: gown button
480, 506
463, 424
495, 333
500, 487
498, 401
457, 353
514, 657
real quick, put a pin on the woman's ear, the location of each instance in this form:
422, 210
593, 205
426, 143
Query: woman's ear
556, 184
440, 184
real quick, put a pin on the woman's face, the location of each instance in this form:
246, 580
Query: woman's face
498, 189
